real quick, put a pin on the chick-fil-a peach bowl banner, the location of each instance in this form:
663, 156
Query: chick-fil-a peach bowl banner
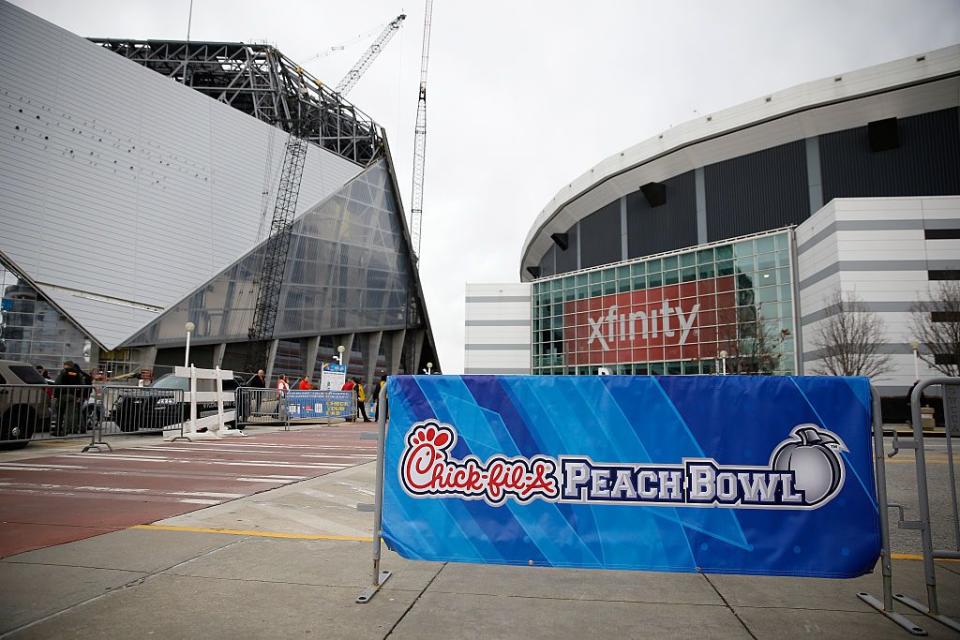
729, 474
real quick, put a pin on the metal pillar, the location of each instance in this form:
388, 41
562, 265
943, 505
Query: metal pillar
373, 351
396, 351
218, 352
418, 339
271, 356
311, 346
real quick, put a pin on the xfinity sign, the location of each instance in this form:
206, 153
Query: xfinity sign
608, 328
669, 322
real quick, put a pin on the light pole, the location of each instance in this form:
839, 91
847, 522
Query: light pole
340, 351
429, 369
915, 345
186, 353
723, 363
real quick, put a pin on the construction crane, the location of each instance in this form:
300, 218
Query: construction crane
348, 81
420, 137
275, 250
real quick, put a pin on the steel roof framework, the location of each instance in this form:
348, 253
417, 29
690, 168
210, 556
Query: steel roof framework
260, 81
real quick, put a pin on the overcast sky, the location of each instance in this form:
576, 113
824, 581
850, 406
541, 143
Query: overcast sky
525, 96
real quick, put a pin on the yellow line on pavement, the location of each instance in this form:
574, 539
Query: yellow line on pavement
917, 556
253, 533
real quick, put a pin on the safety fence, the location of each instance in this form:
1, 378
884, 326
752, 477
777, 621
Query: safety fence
707, 474
44, 412
950, 389
257, 406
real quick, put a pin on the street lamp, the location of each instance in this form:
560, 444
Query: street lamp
429, 369
186, 352
340, 350
723, 363
915, 345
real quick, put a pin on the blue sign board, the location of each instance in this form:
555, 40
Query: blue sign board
724, 474
320, 404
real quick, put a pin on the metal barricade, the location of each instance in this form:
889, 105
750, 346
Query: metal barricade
257, 406
42, 412
128, 409
951, 396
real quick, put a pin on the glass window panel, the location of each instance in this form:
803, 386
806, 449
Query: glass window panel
654, 280
705, 256
767, 294
786, 292
766, 261
674, 368
654, 266
581, 280
706, 271
781, 240
595, 277
671, 277
610, 286
725, 268
765, 245
688, 274
783, 275
724, 253
623, 272
638, 269
655, 368
766, 278
744, 248
691, 367
745, 264
688, 259
670, 263
783, 258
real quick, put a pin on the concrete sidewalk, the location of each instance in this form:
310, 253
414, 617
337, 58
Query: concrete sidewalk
296, 559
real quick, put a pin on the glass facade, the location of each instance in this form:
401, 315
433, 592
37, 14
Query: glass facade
32, 330
348, 270
676, 313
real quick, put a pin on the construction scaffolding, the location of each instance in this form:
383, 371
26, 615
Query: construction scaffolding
260, 81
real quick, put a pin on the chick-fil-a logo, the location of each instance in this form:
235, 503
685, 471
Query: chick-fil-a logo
427, 469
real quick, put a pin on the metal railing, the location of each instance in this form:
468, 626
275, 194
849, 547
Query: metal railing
257, 406
32, 412
951, 395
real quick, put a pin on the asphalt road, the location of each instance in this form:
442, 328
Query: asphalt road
67, 496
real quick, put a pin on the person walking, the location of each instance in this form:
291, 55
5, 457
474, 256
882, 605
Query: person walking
361, 399
69, 400
282, 386
304, 384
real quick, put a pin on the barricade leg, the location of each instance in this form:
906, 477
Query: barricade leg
932, 608
886, 566
96, 435
379, 576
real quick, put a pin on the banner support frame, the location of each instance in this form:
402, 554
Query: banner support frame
379, 577
886, 565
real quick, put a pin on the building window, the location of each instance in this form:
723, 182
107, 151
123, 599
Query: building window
944, 274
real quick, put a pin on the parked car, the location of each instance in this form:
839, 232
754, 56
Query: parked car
152, 409
24, 410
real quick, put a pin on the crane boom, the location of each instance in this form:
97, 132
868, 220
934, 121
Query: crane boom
348, 81
420, 136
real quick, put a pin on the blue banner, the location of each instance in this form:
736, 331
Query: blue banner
320, 404
723, 474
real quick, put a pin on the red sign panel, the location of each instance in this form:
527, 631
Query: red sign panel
674, 322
